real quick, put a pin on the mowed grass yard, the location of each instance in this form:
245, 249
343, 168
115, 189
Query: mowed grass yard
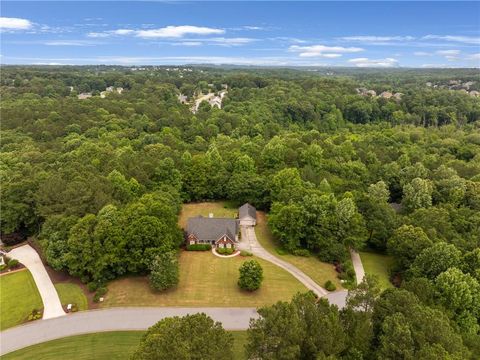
218, 209
100, 346
379, 265
206, 280
18, 297
319, 271
72, 294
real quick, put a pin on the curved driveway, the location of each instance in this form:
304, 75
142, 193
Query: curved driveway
250, 242
114, 319
29, 257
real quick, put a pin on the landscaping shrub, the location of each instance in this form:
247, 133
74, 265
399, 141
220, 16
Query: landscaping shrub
251, 275
281, 251
12, 263
92, 286
101, 291
301, 252
14, 238
3, 267
35, 315
199, 247
347, 271
225, 251
330, 286
245, 253
164, 271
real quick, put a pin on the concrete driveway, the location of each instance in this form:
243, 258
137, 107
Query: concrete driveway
357, 266
29, 257
249, 242
114, 319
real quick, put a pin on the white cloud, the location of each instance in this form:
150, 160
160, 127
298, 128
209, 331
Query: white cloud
69, 43
172, 32
253, 27
15, 23
49, 63
448, 52
454, 38
188, 43
366, 62
377, 39
123, 32
99, 34
422, 53
177, 31
230, 41
474, 56
322, 50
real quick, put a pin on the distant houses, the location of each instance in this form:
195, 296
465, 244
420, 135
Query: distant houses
384, 95
103, 94
84, 96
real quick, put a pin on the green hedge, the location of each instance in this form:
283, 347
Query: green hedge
199, 247
225, 251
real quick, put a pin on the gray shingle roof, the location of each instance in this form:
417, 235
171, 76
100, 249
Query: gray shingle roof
247, 210
212, 228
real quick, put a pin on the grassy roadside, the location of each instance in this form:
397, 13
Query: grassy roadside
72, 294
18, 297
100, 346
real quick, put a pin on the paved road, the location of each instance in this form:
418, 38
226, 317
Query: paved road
250, 242
29, 257
114, 319
357, 266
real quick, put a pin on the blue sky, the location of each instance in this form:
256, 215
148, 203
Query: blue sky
359, 34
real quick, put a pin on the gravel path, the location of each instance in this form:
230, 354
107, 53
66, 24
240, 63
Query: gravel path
29, 257
113, 319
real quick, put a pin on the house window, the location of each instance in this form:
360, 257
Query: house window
192, 242
229, 245
222, 246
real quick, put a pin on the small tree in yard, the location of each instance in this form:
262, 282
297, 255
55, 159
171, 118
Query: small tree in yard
251, 275
164, 271
185, 338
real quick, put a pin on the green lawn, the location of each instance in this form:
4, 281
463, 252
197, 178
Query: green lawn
206, 280
218, 209
319, 271
99, 346
18, 297
72, 294
240, 338
379, 265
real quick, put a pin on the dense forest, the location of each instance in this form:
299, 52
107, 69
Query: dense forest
100, 180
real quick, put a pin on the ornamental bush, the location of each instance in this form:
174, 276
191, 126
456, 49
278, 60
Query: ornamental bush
301, 252
245, 253
225, 251
199, 247
164, 271
12, 263
330, 286
251, 275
